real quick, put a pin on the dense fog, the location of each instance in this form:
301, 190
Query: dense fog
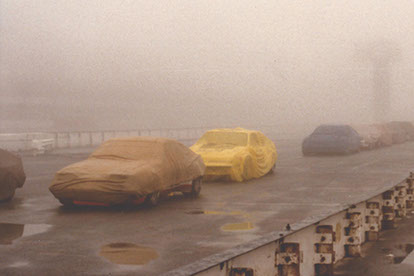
104, 64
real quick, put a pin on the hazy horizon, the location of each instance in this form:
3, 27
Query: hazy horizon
149, 64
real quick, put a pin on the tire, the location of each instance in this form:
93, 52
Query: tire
196, 187
273, 169
66, 202
8, 188
152, 199
247, 168
10, 197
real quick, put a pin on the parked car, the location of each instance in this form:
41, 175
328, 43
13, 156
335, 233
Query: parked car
370, 136
398, 132
385, 137
408, 128
130, 170
236, 154
12, 175
332, 139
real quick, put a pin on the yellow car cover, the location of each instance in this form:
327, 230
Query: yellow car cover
238, 154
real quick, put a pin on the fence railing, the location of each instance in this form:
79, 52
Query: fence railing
75, 139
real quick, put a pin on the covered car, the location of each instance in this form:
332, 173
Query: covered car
12, 175
398, 132
408, 128
332, 139
385, 138
371, 135
130, 170
236, 154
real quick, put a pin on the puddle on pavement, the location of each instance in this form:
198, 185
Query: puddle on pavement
232, 213
11, 231
406, 250
128, 254
19, 264
195, 212
242, 226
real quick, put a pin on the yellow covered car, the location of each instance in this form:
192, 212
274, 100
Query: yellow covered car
237, 154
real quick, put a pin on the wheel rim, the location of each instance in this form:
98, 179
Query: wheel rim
154, 198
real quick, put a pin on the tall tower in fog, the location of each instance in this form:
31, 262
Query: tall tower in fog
381, 55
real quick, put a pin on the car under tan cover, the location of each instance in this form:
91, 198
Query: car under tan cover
125, 169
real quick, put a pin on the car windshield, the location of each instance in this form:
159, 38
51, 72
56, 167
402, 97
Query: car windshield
128, 149
332, 130
225, 138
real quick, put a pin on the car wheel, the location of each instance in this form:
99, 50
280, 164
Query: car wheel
9, 197
273, 169
247, 164
196, 187
7, 189
153, 199
66, 202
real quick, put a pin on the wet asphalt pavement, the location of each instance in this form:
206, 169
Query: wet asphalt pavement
40, 237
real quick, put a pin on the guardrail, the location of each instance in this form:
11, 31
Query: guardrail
74, 139
94, 138
313, 246
41, 146
23, 141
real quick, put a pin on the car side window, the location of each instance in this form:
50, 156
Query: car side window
255, 140
352, 132
252, 140
262, 139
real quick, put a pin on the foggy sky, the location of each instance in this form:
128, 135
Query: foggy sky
135, 64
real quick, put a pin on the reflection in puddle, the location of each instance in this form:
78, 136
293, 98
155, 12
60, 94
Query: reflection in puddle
231, 226
195, 212
19, 264
238, 226
232, 213
403, 250
128, 254
11, 231
33, 229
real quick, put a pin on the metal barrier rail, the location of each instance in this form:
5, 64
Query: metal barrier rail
94, 138
74, 139
313, 246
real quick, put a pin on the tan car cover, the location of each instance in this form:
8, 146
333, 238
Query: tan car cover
238, 154
124, 169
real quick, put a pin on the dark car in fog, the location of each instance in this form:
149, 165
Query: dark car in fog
332, 139
12, 175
